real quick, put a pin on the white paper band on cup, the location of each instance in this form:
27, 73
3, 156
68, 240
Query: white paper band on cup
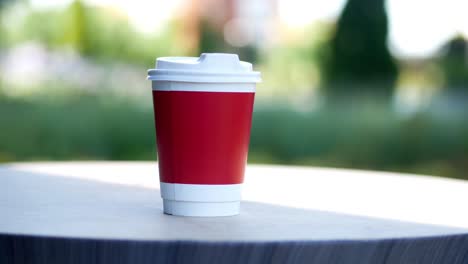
201, 209
201, 199
201, 192
204, 87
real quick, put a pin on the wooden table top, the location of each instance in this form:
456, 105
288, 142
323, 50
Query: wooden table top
121, 200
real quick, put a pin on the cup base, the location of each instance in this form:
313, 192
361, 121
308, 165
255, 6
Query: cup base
201, 199
183, 208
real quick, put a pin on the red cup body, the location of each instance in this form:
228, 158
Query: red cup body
202, 137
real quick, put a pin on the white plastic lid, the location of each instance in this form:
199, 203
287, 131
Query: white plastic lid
209, 67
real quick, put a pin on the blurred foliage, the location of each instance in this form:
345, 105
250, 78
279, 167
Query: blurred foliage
291, 68
2, 30
4, 3
300, 74
61, 122
76, 29
212, 40
97, 33
357, 60
75, 126
455, 64
366, 136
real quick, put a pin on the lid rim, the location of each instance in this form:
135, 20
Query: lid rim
209, 67
156, 72
211, 79
203, 76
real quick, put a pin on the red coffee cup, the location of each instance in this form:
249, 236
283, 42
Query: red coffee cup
203, 112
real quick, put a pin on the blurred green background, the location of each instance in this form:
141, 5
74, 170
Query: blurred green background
352, 84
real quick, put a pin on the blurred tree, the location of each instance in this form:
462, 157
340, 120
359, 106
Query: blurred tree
3, 3
2, 34
454, 64
98, 33
212, 40
357, 59
2, 39
249, 53
76, 30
